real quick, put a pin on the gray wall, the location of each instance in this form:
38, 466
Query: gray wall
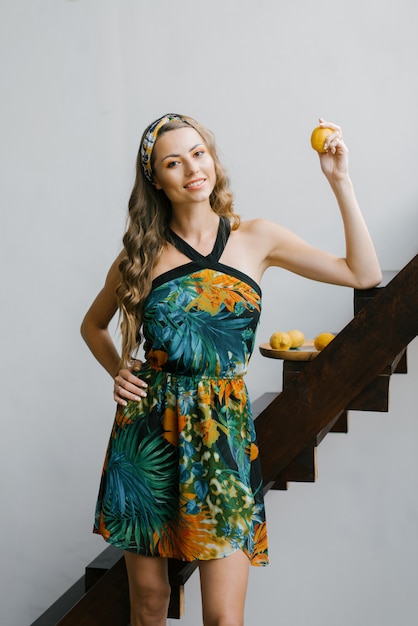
80, 80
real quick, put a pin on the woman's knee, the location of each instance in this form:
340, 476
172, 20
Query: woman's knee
149, 589
149, 603
152, 591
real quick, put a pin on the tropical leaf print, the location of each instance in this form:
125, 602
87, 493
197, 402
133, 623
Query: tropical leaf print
182, 476
217, 290
139, 479
207, 339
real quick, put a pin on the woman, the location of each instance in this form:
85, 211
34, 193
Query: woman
182, 476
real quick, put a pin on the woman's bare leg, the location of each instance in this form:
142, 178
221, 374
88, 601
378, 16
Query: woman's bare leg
149, 589
224, 586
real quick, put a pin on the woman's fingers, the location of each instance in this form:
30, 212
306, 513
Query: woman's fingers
123, 393
129, 387
324, 124
333, 140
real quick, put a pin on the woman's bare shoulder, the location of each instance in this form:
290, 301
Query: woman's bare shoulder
255, 223
261, 227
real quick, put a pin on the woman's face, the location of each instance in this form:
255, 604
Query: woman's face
183, 167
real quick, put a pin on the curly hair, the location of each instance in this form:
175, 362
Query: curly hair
149, 213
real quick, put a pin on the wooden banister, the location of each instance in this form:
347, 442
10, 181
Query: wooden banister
357, 355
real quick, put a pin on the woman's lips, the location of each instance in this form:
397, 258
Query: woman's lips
195, 184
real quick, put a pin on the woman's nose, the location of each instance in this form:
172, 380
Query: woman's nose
190, 166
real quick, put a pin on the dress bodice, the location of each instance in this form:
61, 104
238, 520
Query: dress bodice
200, 319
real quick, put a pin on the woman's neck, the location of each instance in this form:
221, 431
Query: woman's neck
195, 227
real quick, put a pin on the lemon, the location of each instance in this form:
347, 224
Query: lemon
322, 340
280, 341
318, 137
297, 338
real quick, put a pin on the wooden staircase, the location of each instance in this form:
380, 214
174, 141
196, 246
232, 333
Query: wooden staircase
374, 397
353, 372
350, 372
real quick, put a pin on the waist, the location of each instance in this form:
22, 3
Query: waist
158, 360
148, 369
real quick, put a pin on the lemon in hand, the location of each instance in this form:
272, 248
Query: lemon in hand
280, 341
297, 338
322, 340
318, 137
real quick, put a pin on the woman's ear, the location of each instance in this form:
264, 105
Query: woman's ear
156, 184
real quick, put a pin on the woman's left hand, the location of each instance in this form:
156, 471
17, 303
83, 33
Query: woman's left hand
334, 161
128, 386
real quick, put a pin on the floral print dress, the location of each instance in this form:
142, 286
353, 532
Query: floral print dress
182, 475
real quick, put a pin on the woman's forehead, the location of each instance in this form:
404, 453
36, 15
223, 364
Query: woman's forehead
183, 138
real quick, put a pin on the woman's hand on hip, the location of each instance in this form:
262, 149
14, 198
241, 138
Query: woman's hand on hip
128, 386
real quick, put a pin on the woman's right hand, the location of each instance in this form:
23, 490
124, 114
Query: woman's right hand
128, 386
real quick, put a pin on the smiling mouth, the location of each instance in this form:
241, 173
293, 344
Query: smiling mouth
195, 183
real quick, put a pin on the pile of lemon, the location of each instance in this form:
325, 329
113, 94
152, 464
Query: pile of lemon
293, 339
286, 340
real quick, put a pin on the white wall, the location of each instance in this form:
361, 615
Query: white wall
80, 80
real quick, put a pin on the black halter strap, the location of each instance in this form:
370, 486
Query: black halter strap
222, 236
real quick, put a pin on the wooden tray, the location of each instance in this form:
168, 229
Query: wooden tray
306, 352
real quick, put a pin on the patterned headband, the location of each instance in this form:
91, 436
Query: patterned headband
150, 138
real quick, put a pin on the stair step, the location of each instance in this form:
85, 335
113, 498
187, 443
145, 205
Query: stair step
338, 425
304, 467
375, 397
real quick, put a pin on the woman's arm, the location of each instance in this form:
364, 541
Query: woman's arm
360, 267
95, 332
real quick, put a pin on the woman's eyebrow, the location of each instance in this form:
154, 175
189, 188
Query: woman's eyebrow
170, 156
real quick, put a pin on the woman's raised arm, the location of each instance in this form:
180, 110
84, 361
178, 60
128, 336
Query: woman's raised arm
360, 266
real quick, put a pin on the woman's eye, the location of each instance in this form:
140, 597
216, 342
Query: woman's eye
199, 153
172, 164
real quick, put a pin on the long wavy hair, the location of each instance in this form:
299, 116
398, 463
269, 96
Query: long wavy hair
149, 214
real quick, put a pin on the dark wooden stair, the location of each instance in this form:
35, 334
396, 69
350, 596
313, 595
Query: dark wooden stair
374, 397
303, 467
370, 347
353, 372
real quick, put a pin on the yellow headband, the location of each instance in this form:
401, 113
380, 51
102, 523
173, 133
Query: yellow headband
150, 138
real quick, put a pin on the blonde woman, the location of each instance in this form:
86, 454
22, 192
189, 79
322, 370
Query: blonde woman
182, 476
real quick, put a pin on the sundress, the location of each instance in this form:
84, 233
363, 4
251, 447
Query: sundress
182, 477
